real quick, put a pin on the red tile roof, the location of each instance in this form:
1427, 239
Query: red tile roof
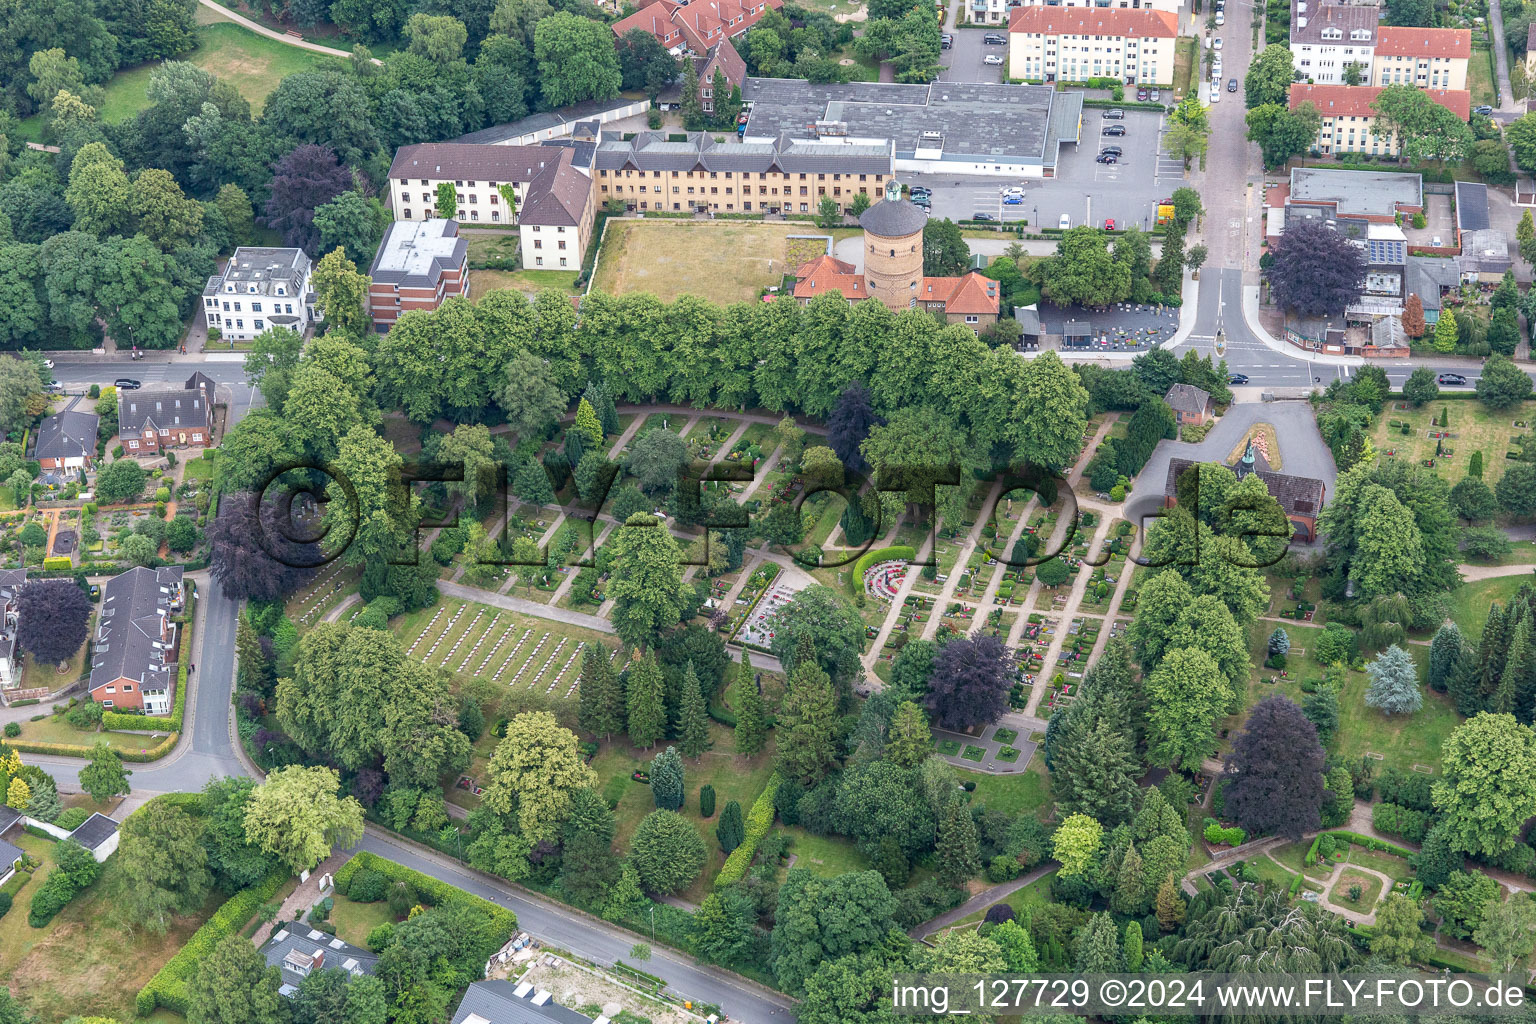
701, 24
1095, 21
971, 295
1356, 100
1424, 42
850, 285
654, 18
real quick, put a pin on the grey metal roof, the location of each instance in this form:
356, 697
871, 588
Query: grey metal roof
1387, 332
67, 435
542, 122
291, 946
888, 218
1471, 206
94, 831
128, 634
1029, 320
1427, 275
498, 1002
975, 122
416, 253
263, 267
1364, 193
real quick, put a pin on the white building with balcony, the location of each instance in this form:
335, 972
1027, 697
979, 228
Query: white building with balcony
1327, 38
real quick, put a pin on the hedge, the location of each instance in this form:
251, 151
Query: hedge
1356, 838
759, 821
168, 988
154, 753
58, 562
115, 720
896, 552
433, 891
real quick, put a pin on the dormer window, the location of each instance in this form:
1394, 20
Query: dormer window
1332, 33
1360, 35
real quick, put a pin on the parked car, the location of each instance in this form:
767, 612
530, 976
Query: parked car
1231, 85
1215, 93
993, 39
1065, 222
48, 363
127, 384
924, 201
992, 59
1109, 223
1014, 190
1141, 95
53, 387
983, 215
946, 41
919, 190
1114, 114
1216, 43
1452, 380
1237, 378
1221, 19
1483, 109
1157, 95
1115, 150
1114, 129
1108, 158
1013, 201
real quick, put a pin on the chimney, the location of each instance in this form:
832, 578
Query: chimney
319, 960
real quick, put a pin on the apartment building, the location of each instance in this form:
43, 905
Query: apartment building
1430, 58
651, 172
419, 264
260, 287
1349, 120
1073, 44
1171, 6
1327, 38
550, 186
695, 26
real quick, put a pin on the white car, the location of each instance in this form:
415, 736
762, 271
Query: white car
1014, 191
992, 59
1217, 44
1215, 92
1221, 18
1065, 222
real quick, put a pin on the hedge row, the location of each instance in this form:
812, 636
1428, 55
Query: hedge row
759, 821
896, 552
1356, 838
433, 891
154, 753
1396, 820
134, 723
168, 988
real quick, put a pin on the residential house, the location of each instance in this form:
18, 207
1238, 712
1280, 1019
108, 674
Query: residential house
261, 287
419, 264
133, 661
721, 57
1153, 5
67, 440
1030, 328
98, 834
698, 25
1300, 497
505, 1002
1349, 121
550, 184
149, 422
1431, 278
1074, 44
297, 952
1485, 249
1328, 37
1430, 58
11, 582
1190, 405
10, 853
651, 171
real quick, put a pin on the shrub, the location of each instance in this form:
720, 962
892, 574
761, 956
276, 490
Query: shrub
707, 802
759, 820
402, 897
368, 887
1214, 833
5, 903
380, 937
12, 729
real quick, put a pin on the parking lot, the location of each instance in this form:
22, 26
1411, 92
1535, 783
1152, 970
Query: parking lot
1085, 190
962, 61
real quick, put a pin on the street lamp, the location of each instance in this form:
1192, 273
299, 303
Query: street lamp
653, 924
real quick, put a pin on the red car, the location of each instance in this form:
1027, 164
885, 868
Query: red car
1109, 223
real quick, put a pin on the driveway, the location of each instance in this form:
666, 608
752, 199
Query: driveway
1302, 451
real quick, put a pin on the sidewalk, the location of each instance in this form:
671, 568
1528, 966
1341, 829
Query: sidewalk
1251, 318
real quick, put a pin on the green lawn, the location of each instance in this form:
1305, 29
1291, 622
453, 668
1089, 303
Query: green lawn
733, 776
1037, 892
88, 960
1480, 76
251, 63
827, 856
1370, 890
56, 730
354, 921
1395, 868
1469, 602
1028, 791
483, 281
1476, 428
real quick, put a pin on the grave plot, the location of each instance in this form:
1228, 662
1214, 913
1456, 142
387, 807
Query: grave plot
331, 583
757, 631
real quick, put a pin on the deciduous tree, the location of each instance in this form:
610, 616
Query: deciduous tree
296, 816
52, 619
104, 777
533, 773
1275, 771
1485, 795
161, 851
1315, 271
647, 583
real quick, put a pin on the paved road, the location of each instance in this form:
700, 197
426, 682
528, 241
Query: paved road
82, 369
1507, 103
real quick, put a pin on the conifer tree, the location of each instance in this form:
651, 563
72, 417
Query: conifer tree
1133, 946
731, 830
590, 426
667, 781
958, 852
693, 717
1394, 688
1446, 652
707, 801
1169, 904
647, 711
1491, 652
601, 695
909, 741
1128, 897
808, 722
253, 670
751, 713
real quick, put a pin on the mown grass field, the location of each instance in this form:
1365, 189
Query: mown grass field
1475, 428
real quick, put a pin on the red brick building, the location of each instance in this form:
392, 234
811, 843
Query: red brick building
420, 263
133, 661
